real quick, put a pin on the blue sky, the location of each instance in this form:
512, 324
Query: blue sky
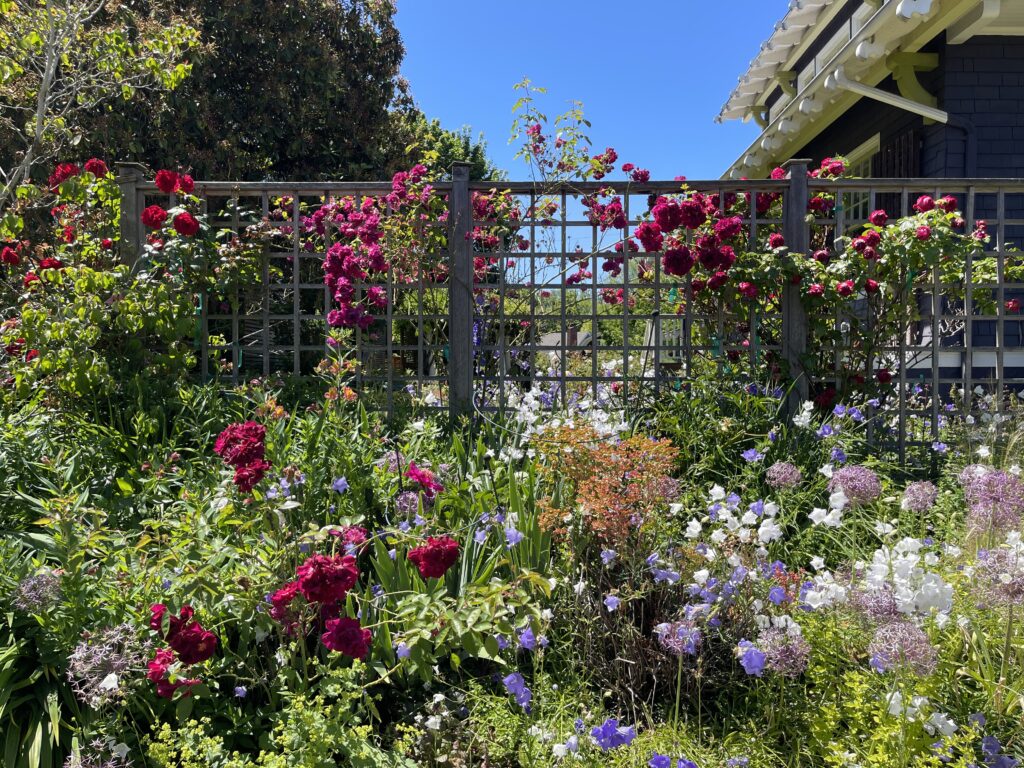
652, 74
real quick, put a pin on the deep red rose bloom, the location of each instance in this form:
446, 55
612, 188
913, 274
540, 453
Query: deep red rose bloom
186, 224
325, 579
51, 263
31, 355
193, 643
947, 203
677, 261
30, 277
776, 240
248, 476
1013, 305
649, 235
9, 256
871, 286
844, 288
280, 604
924, 204
156, 620
107, 243
872, 238
884, 375
154, 217
822, 256
346, 636
62, 173
159, 673
816, 289
353, 534
923, 233
435, 557
186, 184
697, 285
870, 253
241, 444
96, 167
728, 228
718, 280
747, 290
878, 218
166, 181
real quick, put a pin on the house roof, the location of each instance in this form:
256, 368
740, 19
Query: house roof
790, 32
854, 58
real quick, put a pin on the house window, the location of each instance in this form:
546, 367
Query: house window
861, 166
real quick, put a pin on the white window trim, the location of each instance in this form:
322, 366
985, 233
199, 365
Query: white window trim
868, 149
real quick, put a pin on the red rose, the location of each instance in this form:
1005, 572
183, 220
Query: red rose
96, 167
325, 579
816, 289
1013, 305
844, 288
697, 285
947, 204
186, 184
186, 224
775, 240
747, 290
346, 636
166, 181
107, 243
924, 204
871, 286
62, 173
353, 534
923, 233
870, 253
435, 557
878, 218
677, 261
280, 604
248, 476
30, 277
154, 217
159, 673
241, 444
156, 620
859, 244
872, 238
192, 643
822, 256
883, 375
51, 263
717, 280
31, 355
9, 256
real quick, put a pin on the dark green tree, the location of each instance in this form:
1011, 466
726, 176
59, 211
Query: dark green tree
291, 89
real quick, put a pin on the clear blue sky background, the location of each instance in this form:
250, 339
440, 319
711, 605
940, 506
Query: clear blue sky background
652, 74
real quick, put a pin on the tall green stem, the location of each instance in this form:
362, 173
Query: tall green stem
679, 688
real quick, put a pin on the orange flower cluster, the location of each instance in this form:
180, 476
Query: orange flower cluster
614, 487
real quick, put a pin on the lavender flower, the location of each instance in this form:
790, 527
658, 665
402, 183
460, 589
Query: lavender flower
610, 734
516, 685
900, 643
37, 593
752, 658
859, 484
919, 497
782, 474
786, 653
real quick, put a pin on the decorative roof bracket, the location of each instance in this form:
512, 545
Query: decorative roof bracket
760, 115
904, 68
787, 81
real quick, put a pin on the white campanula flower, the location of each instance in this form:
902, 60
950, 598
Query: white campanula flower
768, 531
940, 723
817, 563
826, 470
984, 452
693, 529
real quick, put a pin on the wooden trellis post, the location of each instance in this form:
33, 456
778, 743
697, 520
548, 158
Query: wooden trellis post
794, 319
460, 294
128, 177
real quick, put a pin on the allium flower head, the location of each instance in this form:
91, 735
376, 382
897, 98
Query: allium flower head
919, 497
37, 593
786, 653
100, 663
902, 644
859, 484
877, 605
679, 637
1000, 574
782, 475
995, 499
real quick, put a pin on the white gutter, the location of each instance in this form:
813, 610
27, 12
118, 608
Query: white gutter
891, 13
838, 80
